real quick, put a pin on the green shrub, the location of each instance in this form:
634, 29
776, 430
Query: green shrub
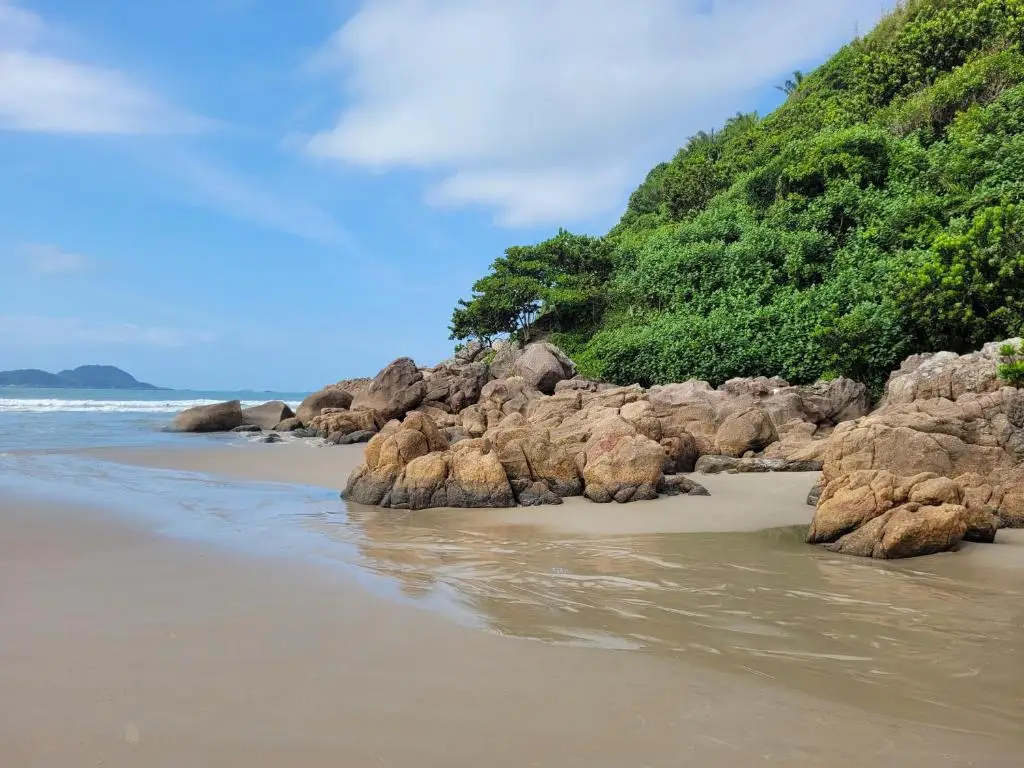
877, 212
1011, 366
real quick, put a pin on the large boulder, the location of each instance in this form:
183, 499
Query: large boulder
331, 396
623, 468
409, 465
388, 453
909, 530
453, 387
543, 365
742, 431
945, 375
219, 417
395, 391
921, 465
268, 415
503, 354
530, 457
335, 423
468, 474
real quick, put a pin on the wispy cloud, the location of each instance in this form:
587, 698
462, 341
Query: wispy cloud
48, 259
40, 330
547, 110
41, 91
44, 92
211, 184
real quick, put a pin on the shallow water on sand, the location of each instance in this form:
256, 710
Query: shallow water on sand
932, 640
939, 640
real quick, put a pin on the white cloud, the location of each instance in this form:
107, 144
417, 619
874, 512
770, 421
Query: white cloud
50, 259
548, 110
43, 92
39, 330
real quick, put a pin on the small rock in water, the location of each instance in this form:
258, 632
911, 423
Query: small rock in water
248, 428
273, 437
303, 432
814, 496
713, 465
681, 485
359, 436
536, 494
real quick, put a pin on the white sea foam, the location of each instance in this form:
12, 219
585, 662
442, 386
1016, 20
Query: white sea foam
53, 405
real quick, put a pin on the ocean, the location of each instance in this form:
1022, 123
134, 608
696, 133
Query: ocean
904, 637
46, 438
46, 419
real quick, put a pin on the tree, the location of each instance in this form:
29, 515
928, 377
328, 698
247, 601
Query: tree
970, 288
792, 86
561, 278
504, 301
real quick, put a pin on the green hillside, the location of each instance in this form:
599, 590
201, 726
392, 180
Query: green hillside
875, 214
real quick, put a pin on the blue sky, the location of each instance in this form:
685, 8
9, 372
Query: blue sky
253, 193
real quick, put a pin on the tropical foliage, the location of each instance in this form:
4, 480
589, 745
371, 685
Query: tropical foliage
1011, 366
878, 211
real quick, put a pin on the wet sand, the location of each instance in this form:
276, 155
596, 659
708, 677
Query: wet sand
121, 648
750, 502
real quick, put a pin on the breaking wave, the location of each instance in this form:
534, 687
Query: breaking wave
56, 405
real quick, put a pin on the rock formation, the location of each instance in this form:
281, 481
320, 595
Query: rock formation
395, 391
409, 465
331, 396
219, 417
268, 415
942, 459
334, 423
555, 435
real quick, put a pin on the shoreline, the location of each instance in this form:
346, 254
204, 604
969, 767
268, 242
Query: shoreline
203, 656
738, 503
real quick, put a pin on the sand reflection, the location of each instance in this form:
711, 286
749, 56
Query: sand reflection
926, 640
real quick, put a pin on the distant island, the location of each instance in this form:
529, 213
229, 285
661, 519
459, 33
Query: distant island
83, 377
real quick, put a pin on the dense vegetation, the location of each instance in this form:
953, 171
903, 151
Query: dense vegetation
878, 212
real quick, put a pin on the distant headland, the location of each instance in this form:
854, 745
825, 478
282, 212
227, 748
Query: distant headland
83, 377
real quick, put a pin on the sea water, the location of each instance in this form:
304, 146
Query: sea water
937, 639
38, 418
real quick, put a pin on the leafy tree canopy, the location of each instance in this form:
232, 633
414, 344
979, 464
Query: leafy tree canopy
879, 211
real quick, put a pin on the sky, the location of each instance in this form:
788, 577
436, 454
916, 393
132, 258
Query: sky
228, 194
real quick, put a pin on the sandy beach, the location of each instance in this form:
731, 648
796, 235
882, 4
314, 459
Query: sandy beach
737, 502
120, 648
